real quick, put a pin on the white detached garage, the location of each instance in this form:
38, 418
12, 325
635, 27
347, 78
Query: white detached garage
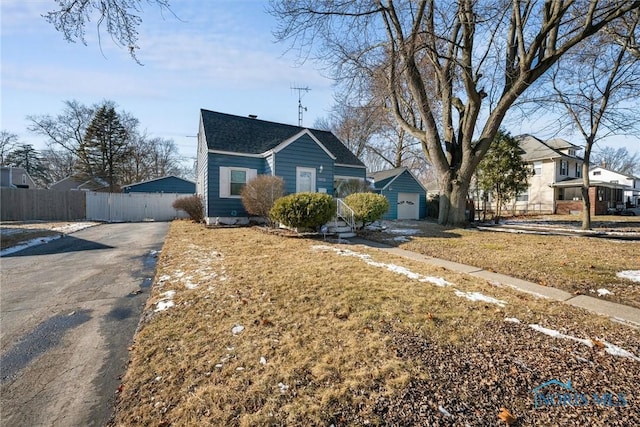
407, 196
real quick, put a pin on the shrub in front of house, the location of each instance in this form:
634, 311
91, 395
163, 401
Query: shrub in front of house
260, 193
367, 207
303, 210
192, 205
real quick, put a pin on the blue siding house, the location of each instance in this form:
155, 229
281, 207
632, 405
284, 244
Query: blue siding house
234, 149
407, 196
166, 184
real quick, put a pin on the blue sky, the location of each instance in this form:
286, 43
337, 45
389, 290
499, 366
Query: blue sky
221, 57
218, 55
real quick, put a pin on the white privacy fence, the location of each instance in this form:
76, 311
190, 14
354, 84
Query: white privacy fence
133, 207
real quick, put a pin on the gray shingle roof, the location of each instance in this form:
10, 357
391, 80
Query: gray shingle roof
536, 149
380, 177
226, 132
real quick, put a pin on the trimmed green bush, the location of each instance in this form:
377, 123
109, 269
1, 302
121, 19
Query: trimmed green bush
192, 205
367, 207
303, 210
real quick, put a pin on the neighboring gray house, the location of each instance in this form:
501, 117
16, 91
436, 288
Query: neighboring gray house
407, 196
79, 183
15, 177
233, 149
165, 184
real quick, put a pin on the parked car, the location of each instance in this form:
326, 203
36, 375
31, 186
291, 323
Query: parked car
631, 211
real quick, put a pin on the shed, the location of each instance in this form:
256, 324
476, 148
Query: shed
165, 184
406, 195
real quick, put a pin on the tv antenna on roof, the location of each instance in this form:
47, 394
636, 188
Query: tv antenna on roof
300, 107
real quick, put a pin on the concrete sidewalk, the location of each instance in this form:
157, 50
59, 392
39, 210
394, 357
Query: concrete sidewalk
616, 311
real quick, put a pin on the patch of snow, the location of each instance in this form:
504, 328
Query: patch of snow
190, 285
477, 296
401, 239
28, 244
164, 278
405, 231
609, 348
163, 305
444, 411
73, 227
557, 334
283, 388
237, 329
239, 368
438, 281
263, 360
617, 351
168, 294
602, 292
166, 301
512, 320
633, 275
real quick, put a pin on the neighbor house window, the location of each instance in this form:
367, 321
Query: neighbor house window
564, 167
578, 170
523, 197
597, 173
233, 180
537, 168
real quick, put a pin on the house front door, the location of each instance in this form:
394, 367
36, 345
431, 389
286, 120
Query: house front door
305, 180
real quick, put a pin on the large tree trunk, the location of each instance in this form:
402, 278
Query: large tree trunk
453, 202
586, 202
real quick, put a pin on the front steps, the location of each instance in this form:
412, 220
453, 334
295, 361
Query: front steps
340, 229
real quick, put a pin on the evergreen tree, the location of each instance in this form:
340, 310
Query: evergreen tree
502, 173
105, 146
25, 156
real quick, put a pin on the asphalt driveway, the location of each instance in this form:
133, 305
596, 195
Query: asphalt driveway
68, 312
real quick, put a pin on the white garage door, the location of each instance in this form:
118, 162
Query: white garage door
408, 205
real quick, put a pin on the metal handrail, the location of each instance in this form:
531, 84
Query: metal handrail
346, 213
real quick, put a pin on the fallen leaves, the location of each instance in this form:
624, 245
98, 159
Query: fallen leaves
506, 416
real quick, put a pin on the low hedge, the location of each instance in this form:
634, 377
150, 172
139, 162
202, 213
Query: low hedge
303, 210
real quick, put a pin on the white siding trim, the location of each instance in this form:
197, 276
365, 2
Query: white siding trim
297, 136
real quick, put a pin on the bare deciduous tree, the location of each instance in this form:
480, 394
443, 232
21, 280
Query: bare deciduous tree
617, 160
8, 140
596, 90
483, 56
119, 18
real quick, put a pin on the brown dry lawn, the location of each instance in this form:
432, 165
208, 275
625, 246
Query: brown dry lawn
577, 264
250, 328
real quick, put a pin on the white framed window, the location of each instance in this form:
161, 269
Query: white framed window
305, 180
537, 168
233, 180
